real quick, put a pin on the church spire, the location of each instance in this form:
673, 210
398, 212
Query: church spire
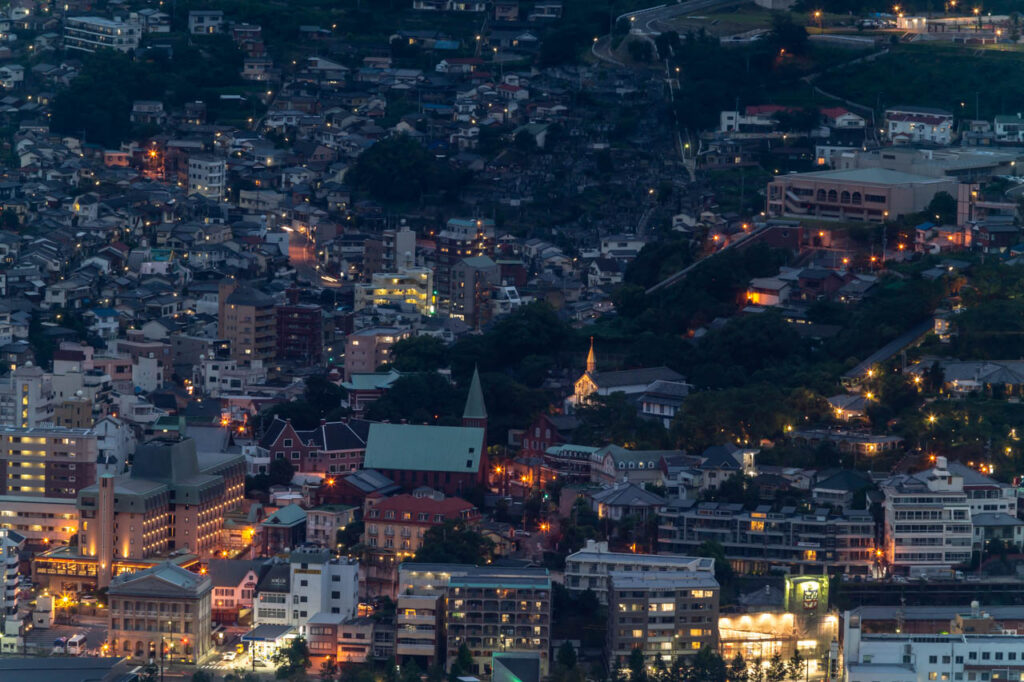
475, 408
591, 358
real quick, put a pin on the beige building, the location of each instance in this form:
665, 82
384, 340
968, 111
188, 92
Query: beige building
53, 462
665, 615
40, 520
160, 614
865, 194
247, 318
368, 349
409, 286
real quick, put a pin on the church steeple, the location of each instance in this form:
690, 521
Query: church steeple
475, 409
591, 358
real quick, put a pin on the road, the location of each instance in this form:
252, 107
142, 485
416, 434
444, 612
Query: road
650, 22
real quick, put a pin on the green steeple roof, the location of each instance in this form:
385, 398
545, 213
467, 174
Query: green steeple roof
475, 408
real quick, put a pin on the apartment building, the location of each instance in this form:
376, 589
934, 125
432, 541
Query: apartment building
311, 582
40, 520
461, 238
89, 34
47, 461
11, 544
368, 349
248, 320
665, 615
398, 523
971, 650
162, 612
207, 176
761, 539
412, 287
324, 522
26, 397
300, 332
928, 525
498, 610
590, 568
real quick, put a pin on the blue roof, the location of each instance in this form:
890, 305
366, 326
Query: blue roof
105, 312
925, 226
446, 45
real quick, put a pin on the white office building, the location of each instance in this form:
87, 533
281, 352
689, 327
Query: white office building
311, 582
928, 525
588, 569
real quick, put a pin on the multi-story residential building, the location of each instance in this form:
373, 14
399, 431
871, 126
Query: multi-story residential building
762, 539
970, 648
40, 520
300, 332
368, 349
413, 287
461, 238
53, 462
282, 530
10, 547
589, 568
498, 610
205, 21
89, 34
248, 320
324, 522
419, 611
471, 282
665, 615
207, 176
331, 448
928, 524
26, 397
399, 523
313, 581
171, 500
160, 613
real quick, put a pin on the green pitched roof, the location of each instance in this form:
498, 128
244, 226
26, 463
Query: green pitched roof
475, 408
416, 447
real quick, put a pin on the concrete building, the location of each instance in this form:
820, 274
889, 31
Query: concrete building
761, 539
589, 568
907, 125
471, 282
51, 462
311, 582
324, 522
300, 333
248, 320
398, 523
162, 612
40, 520
973, 649
207, 176
461, 238
665, 615
10, 547
412, 287
205, 21
89, 34
368, 349
865, 194
171, 500
928, 526
517, 601
26, 397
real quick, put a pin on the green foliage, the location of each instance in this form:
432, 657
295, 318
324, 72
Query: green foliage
421, 398
640, 50
454, 542
419, 354
463, 663
776, 669
738, 669
349, 536
377, 169
614, 419
724, 574
942, 205
787, 35
320, 399
292, 660
566, 656
637, 666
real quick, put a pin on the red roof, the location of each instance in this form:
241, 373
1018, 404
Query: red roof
927, 119
449, 507
834, 112
756, 109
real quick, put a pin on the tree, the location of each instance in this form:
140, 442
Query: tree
942, 205
640, 50
292, 660
708, 666
637, 666
738, 669
454, 542
776, 669
322, 394
402, 157
329, 669
463, 663
787, 35
566, 655
525, 142
419, 354
797, 665
281, 472
201, 676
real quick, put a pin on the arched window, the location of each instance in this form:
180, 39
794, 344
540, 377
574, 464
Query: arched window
832, 196
821, 195
844, 198
856, 198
